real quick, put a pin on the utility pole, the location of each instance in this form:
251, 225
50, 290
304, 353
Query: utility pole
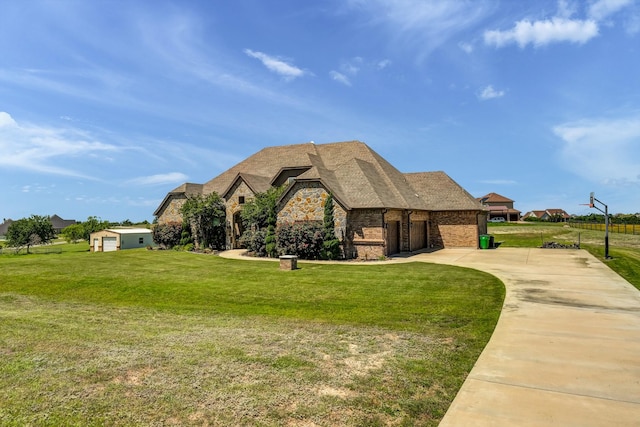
593, 199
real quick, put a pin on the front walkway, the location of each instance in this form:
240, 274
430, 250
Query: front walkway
566, 350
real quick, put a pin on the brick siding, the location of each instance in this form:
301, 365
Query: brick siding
453, 229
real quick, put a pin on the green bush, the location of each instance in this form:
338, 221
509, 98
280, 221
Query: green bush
254, 241
303, 239
167, 235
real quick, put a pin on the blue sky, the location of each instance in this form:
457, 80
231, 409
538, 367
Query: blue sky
105, 106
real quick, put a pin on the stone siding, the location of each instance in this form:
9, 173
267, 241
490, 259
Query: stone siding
232, 202
453, 229
305, 202
171, 212
234, 229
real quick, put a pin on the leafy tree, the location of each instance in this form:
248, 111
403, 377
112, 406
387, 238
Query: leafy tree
256, 212
93, 224
185, 236
330, 245
270, 238
73, 233
206, 217
26, 232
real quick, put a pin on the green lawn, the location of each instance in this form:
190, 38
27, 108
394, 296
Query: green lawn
143, 337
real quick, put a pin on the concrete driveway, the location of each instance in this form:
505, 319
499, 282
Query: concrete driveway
566, 350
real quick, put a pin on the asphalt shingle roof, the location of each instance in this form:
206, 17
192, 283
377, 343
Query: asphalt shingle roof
356, 175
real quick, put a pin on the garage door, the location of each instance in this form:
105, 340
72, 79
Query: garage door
109, 244
418, 235
393, 237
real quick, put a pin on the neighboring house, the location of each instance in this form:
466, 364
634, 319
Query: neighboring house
5, 226
500, 207
115, 239
59, 224
379, 211
558, 215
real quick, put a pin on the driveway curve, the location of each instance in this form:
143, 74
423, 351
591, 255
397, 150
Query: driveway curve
566, 349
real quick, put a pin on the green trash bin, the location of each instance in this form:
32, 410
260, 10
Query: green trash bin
484, 241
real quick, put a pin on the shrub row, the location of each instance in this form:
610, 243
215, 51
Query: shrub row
302, 239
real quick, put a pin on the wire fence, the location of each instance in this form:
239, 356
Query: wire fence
613, 228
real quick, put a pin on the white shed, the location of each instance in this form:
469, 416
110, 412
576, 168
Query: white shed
115, 239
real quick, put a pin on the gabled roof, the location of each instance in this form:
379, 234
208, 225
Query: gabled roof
537, 214
494, 198
60, 223
560, 212
441, 193
187, 188
357, 176
257, 184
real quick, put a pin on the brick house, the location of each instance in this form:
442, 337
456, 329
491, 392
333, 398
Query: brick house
379, 211
557, 215
500, 207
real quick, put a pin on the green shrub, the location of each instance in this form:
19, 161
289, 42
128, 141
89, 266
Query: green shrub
167, 235
254, 241
331, 245
302, 239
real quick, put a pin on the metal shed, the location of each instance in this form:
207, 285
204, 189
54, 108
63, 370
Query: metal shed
115, 239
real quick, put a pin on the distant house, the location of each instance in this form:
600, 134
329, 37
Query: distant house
115, 239
379, 211
59, 224
500, 207
556, 215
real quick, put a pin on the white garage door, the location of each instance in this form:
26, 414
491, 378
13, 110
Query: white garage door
109, 244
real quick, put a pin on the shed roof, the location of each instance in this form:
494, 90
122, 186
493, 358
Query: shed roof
129, 230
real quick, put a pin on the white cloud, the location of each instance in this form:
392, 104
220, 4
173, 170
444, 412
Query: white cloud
38, 148
541, 33
6, 120
277, 65
383, 64
340, 78
159, 179
601, 150
467, 47
489, 93
421, 25
602, 9
562, 27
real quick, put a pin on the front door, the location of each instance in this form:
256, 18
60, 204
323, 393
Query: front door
237, 231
